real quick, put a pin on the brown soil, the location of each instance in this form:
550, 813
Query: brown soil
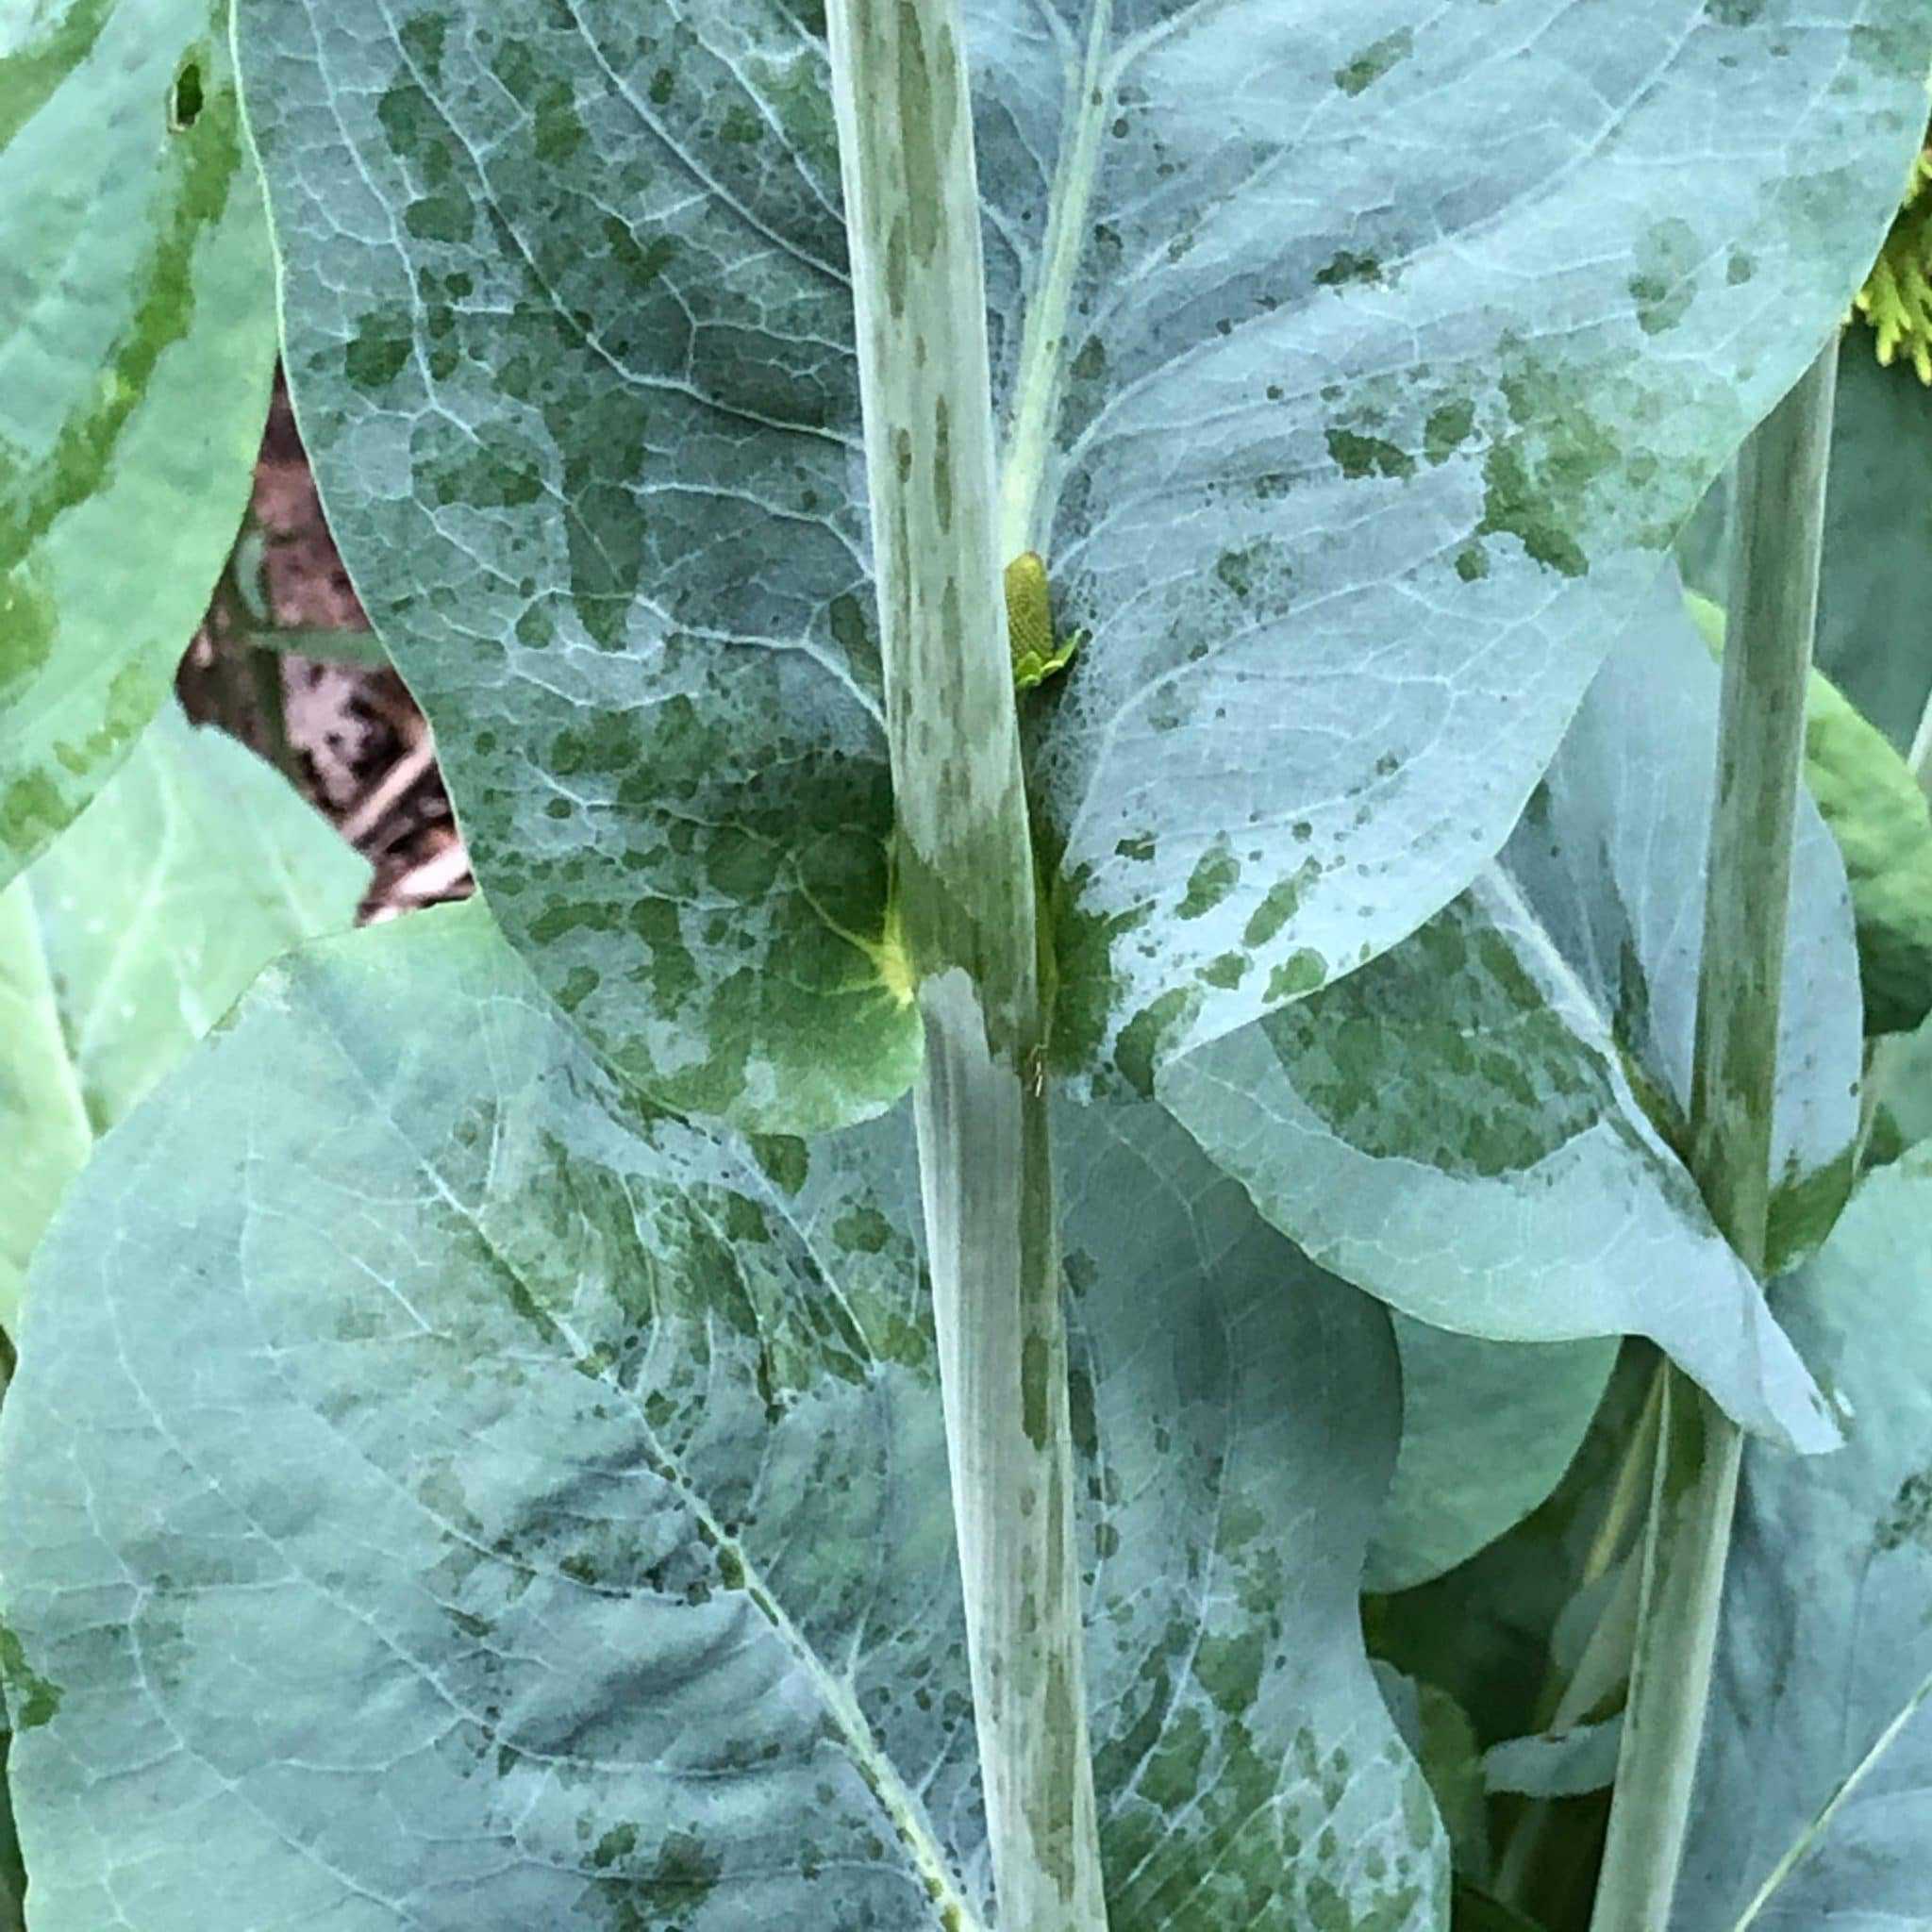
347, 732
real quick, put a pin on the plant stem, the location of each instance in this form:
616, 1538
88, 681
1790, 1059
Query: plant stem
967, 907
1777, 533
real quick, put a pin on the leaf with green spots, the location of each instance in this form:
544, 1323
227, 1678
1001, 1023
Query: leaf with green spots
127, 939
1814, 1790
1351, 467
1485, 1125
137, 331
457, 1503
1874, 595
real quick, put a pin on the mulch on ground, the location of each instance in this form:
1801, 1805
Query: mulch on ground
343, 728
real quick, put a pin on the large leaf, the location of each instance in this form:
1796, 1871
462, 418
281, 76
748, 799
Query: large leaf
129, 938
455, 1504
1874, 596
137, 329
1815, 1785
1480, 1127
1355, 362
1487, 1430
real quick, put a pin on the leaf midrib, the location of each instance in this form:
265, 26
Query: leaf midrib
873, 1765
1814, 1833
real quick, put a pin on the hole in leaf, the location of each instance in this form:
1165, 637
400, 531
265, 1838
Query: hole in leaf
184, 104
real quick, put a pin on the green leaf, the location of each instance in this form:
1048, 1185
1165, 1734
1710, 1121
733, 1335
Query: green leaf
1487, 1430
1349, 468
1902, 1066
1476, 1911
458, 1504
1443, 1740
1483, 1127
1880, 817
137, 331
1555, 1764
1874, 599
1813, 1787
126, 940
1506, 1633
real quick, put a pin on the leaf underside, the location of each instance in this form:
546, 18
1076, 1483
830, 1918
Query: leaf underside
1485, 1126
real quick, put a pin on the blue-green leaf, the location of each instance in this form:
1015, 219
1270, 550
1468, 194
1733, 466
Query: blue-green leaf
1872, 801
129, 939
1487, 1430
1483, 1127
1353, 361
455, 1503
1874, 594
1814, 1790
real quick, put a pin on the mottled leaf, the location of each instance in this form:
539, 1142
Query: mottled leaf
131, 936
137, 329
458, 1504
1487, 1430
1814, 1790
1482, 1128
1354, 361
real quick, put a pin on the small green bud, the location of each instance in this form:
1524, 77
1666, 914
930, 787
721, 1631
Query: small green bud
1037, 656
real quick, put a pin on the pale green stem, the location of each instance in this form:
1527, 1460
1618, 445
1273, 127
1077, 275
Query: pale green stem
966, 901
1778, 530
1814, 1834
1043, 335
1603, 1665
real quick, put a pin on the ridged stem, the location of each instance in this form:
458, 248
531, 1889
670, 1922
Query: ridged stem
1779, 526
965, 895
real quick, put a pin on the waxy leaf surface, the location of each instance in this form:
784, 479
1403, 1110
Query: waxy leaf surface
1814, 1790
1353, 364
127, 939
1487, 1430
137, 330
455, 1504
1481, 1126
